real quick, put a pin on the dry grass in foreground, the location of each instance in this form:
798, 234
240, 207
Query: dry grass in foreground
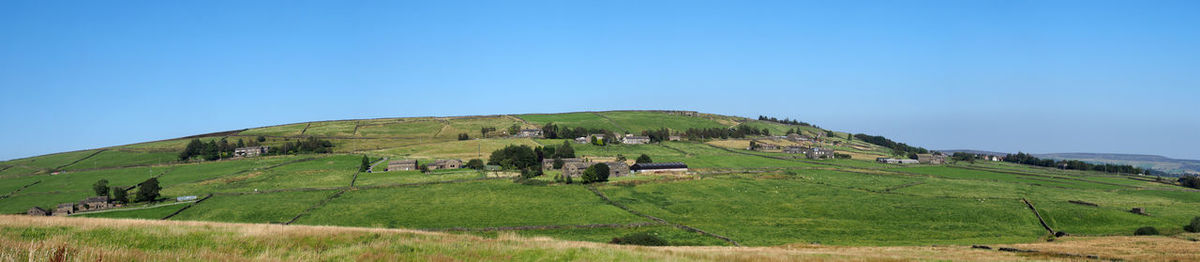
27, 238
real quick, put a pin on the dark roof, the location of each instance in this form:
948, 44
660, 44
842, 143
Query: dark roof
652, 166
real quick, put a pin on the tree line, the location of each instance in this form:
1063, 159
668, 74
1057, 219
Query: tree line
213, 150
785, 121
1028, 159
741, 131
897, 148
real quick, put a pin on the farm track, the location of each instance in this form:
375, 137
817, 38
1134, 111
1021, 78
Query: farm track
186, 207
315, 206
81, 159
544, 227
19, 189
656, 219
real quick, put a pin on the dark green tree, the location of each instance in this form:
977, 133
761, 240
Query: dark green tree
1145, 231
565, 150
475, 164
515, 157
101, 187
595, 173
644, 159
261, 139
558, 163
148, 190
463, 136
1193, 227
366, 164
119, 195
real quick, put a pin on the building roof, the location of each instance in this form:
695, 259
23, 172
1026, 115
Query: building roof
652, 166
96, 199
401, 162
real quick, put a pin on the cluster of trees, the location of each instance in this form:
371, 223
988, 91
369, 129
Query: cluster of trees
309, 145
1027, 159
897, 148
962, 156
483, 131
556, 153
740, 131
553, 131
595, 174
519, 157
644, 159
662, 134
784, 121
463, 136
213, 150
1191, 181
147, 191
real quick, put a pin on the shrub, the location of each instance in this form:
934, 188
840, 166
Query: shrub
463, 136
595, 173
1145, 231
1194, 227
475, 164
148, 190
101, 187
641, 239
643, 159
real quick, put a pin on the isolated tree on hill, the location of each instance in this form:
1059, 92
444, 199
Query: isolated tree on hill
148, 190
366, 164
644, 159
595, 173
119, 195
101, 187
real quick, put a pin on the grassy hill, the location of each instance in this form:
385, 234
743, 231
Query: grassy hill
733, 196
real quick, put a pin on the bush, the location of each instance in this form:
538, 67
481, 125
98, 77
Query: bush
641, 239
595, 173
643, 159
474, 164
463, 136
1145, 231
1194, 227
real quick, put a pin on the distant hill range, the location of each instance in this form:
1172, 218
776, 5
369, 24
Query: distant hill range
1160, 163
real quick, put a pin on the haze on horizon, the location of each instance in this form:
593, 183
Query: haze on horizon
1032, 76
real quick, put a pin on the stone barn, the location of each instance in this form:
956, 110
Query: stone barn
251, 151
37, 211
95, 203
445, 164
401, 165
635, 140
529, 133
931, 159
615, 169
64, 209
548, 164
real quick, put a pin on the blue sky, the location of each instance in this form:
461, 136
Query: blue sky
1036, 76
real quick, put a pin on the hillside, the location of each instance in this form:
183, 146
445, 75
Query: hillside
1161, 163
730, 196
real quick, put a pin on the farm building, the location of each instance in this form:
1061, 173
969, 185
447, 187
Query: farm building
635, 140
615, 169
37, 211
529, 133
796, 137
446, 164
64, 209
659, 167
931, 159
185, 198
818, 153
896, 161
794, 150
760, 146
548, 164
250, 151
581, 140
95, 203
401, 165
674, 138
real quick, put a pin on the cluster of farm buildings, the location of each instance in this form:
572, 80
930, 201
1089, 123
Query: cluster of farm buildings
64, 209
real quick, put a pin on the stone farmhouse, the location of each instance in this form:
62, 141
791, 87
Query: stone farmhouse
537, 133
548, 164
401, 165
669, 167
64, 209
818, 153
931, 159
797, 138
445, 164
635, 140
37, 211
250, 151
94, 203
615, 169
760, 146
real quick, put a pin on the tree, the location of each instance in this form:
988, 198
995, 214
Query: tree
512, 130
119, 195
261, 139
849, 137
475, 164
463, 136
101, 187
366, 164
558, 163
595, 173
1190, 181
644, 159
1193, 227
514, 157
565, 151
423, 168
148, 190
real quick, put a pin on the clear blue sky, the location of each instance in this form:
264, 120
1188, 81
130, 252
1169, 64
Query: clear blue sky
1037, 76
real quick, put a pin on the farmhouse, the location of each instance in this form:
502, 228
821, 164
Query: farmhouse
659, 167
794, 150
445, 164
931, 159
635, 140
674, 138
548, 164
250, 151
37, 211
818, 153
529, 133
794, 137
581, 140
64, 209
615, 169
94, 203
401, 165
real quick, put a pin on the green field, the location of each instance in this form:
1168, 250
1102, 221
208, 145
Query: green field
753, 198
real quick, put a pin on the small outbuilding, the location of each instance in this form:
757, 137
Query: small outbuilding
445, 164
37, 211
251, 151
64, 209
548, 164
401, 165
